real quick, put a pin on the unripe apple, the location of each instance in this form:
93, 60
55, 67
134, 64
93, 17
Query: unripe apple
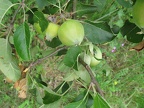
93, 59
71, 32
37, 28
51, 31
96, 58
138, 13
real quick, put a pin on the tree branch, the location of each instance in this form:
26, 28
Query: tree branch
15, 14
74, 8
38, 61
94, 81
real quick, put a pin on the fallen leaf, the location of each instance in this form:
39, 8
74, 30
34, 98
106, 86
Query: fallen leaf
138, 47
22, 94
21, 86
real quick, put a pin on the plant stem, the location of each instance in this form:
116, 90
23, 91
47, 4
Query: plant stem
94, 81
74, 8
38, 61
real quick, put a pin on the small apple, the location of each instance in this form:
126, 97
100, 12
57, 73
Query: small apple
71, 32
96, 58
138, 13
51, 31
93, 59
37, 28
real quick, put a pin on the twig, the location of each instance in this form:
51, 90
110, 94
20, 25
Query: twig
38, 61
14, 17
74, 8
16, 12
92, 77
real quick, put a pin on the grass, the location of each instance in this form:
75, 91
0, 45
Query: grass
121, 74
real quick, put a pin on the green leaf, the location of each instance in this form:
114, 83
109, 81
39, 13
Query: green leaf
85, 9
99, 102
100, 4
39, 18
97, 35
8, 64
5, 5
84, 75
64, 86
42, 3
70, 58
78, 104
56, 104
50, 98
90, 101
39, 80
131, 31
125, 3
54, 43
31, 15
22, 41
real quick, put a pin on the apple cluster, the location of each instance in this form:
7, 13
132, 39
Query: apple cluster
70, 33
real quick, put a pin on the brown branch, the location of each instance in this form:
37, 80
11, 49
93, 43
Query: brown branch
74, 8
38, 61
94, 81
14, 15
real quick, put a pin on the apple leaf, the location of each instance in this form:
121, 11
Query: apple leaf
85, 9
39, 18
8, 64
132, 32
125, 3
99, 102
5, 5
54, 43
42, 3
64, 86
22, 41
78, 104
100, 4
50, 98
70, 58
97, 35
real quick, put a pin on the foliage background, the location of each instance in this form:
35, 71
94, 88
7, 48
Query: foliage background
120, 74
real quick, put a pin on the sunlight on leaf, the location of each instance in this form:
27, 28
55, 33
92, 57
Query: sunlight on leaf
8, 63
96, 34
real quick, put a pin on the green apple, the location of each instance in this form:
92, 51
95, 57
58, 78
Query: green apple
51, 31
71, 32
138, 13
37, 28
96, 57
